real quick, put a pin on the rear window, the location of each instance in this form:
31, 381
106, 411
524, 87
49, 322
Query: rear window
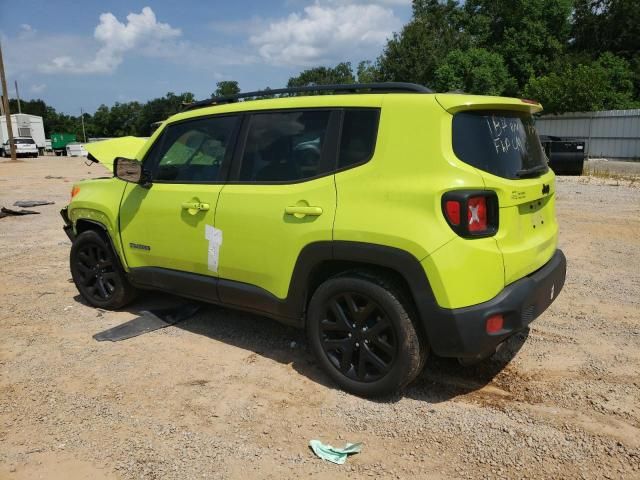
24, 141
285, 146
359, 131
503, 143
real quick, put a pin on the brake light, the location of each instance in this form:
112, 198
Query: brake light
495, 323
452, 209
477, 214
74, 191
529, 101
478, 207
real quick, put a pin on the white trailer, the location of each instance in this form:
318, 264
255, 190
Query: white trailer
24, 125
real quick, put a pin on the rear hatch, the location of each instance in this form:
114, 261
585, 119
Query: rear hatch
25, 145
497, 136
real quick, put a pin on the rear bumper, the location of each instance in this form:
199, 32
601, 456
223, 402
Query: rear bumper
462, 332
68, 226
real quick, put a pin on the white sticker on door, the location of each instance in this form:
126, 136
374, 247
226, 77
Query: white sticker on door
214, 236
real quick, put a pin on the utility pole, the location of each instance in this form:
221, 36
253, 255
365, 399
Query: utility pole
18, 97
5, 100
84, 135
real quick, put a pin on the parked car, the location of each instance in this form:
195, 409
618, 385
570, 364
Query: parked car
75, 149
25, 147
566, 155
388, 221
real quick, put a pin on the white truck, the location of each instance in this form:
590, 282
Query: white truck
24, 125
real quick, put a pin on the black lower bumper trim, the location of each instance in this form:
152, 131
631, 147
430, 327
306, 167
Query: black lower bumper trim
462, 332
68, 226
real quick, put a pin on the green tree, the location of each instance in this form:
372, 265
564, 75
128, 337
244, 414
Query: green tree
340, 74
475, 70
226, 88
604, 84
601, 26
414, 54
368, 72
159, 109
528, 34
607, 26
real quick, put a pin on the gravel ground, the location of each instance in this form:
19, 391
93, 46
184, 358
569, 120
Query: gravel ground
231, 395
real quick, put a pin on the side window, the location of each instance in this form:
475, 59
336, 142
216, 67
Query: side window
359, 132
193, 151
284, 146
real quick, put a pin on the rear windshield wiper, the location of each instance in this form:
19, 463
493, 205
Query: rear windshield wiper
531, 172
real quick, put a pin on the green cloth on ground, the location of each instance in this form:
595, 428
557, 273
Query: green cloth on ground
332, 454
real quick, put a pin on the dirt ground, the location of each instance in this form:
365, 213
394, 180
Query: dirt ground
231, 395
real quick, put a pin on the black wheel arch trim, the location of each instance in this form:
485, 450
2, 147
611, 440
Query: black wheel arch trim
73, 232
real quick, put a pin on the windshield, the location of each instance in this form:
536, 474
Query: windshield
503, 143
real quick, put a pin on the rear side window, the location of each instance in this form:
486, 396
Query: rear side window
503, 143
193, 151
285, 146
359, 131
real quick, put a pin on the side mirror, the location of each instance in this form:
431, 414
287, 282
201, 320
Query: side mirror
130, 171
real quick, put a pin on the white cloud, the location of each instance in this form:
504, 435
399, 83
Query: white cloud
326, 32
38, 88
141, 31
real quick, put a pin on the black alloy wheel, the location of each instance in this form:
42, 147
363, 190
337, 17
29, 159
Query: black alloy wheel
97, 275
97, 272
357, 337
361, 331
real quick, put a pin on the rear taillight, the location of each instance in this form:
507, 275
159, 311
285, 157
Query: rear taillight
478, 208
477, 214
74, 191
452, 209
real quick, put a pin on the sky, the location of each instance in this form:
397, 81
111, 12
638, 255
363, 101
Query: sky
83, 54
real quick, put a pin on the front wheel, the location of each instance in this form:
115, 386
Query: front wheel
97, 272
361, 332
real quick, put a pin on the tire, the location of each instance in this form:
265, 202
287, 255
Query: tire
361, 333
97, 272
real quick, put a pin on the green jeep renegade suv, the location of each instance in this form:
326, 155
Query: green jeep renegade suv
388, 221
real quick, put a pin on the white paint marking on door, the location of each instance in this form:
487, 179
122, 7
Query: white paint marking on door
214, 236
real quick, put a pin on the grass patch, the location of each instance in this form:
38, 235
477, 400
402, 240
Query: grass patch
606, 174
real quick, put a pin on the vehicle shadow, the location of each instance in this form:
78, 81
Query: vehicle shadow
442, 379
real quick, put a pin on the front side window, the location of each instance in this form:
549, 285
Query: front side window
284, 146
193, 151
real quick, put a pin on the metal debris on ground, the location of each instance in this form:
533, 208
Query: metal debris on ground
148, 321
333, 454
32, 203
7, 212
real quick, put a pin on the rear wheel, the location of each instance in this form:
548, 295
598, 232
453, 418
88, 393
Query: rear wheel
361, 332
97, 272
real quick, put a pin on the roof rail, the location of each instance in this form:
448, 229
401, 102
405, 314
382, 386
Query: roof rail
384, 87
